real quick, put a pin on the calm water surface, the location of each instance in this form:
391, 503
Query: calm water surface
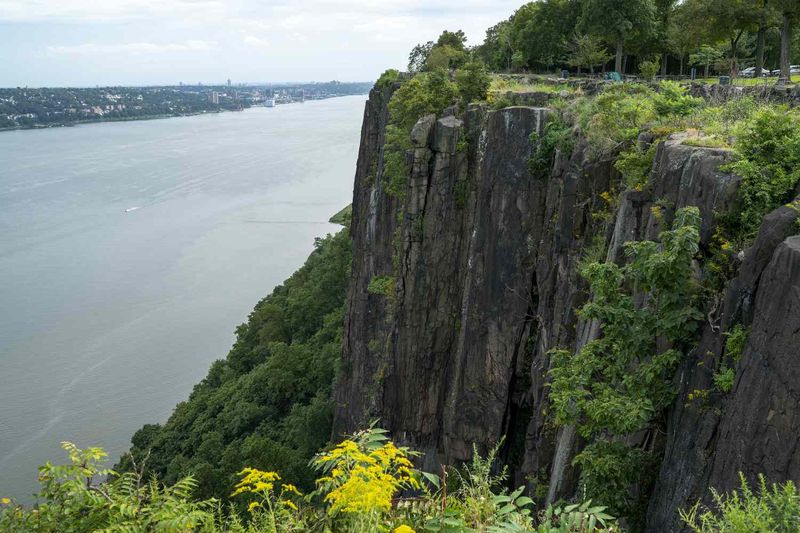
130, 251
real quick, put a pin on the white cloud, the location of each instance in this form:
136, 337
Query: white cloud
131, 48
106, 10
312, 39
256, 42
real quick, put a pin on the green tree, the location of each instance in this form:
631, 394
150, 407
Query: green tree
496, 48
649, 68
472, 82
448, 52
706, 56
617, 21
790, 11
728, 20
454, 39
680, 41
542, 31
665, 9
587, 51
419, 56
761, 36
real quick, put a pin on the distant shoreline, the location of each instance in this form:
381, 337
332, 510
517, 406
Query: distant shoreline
150, 117
112, 119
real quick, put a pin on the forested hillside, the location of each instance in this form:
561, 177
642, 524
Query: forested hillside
267, 404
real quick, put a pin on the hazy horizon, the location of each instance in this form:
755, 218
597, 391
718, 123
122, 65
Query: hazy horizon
86, 43
280, 83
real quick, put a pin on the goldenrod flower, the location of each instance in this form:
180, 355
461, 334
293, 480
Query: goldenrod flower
363, 482
5, 501
289, 504
288, 487
256, 481
403, 529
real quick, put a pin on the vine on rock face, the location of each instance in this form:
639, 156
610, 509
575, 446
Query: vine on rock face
617, 384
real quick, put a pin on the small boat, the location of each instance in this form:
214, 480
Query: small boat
134, 208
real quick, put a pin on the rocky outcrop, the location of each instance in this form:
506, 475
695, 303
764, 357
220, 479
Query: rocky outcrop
753, 429
484, 258
769, 91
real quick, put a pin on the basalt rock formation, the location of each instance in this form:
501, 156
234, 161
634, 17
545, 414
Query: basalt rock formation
483, 255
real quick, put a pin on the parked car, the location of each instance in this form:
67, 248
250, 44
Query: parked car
750, 72
793, 69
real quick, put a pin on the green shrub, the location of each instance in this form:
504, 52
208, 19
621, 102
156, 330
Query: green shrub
768, 161
387, 79
382, 285
618, 383
576, 518
556, 135
735, 341
472, 82
425, 93
724, 379
774, 509
364, 483
395, 168
649, 68
635, 164
616, 117
609, 468
70, 499
671, 99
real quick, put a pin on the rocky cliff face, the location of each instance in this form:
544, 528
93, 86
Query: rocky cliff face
483, 256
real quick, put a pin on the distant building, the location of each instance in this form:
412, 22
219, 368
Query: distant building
229, 82
213, 97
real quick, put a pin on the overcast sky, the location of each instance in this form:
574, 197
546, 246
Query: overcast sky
143, 42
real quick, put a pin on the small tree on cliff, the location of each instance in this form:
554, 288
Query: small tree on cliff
472, 82
616, 21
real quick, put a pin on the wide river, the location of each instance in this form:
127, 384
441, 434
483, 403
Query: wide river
130, 251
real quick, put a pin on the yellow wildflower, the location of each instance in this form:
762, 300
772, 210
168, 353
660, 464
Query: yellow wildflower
289, 504
365, 481
403, 529
256, 481
5, 501
253, 506
288, 487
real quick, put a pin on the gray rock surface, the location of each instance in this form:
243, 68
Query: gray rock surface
485, 260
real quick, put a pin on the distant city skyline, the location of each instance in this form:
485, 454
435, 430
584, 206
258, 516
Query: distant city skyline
84, 43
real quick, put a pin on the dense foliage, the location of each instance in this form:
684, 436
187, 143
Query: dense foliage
70, 499
267, 405
616, 384
768, 161
365, 484
668, 35
774, 509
